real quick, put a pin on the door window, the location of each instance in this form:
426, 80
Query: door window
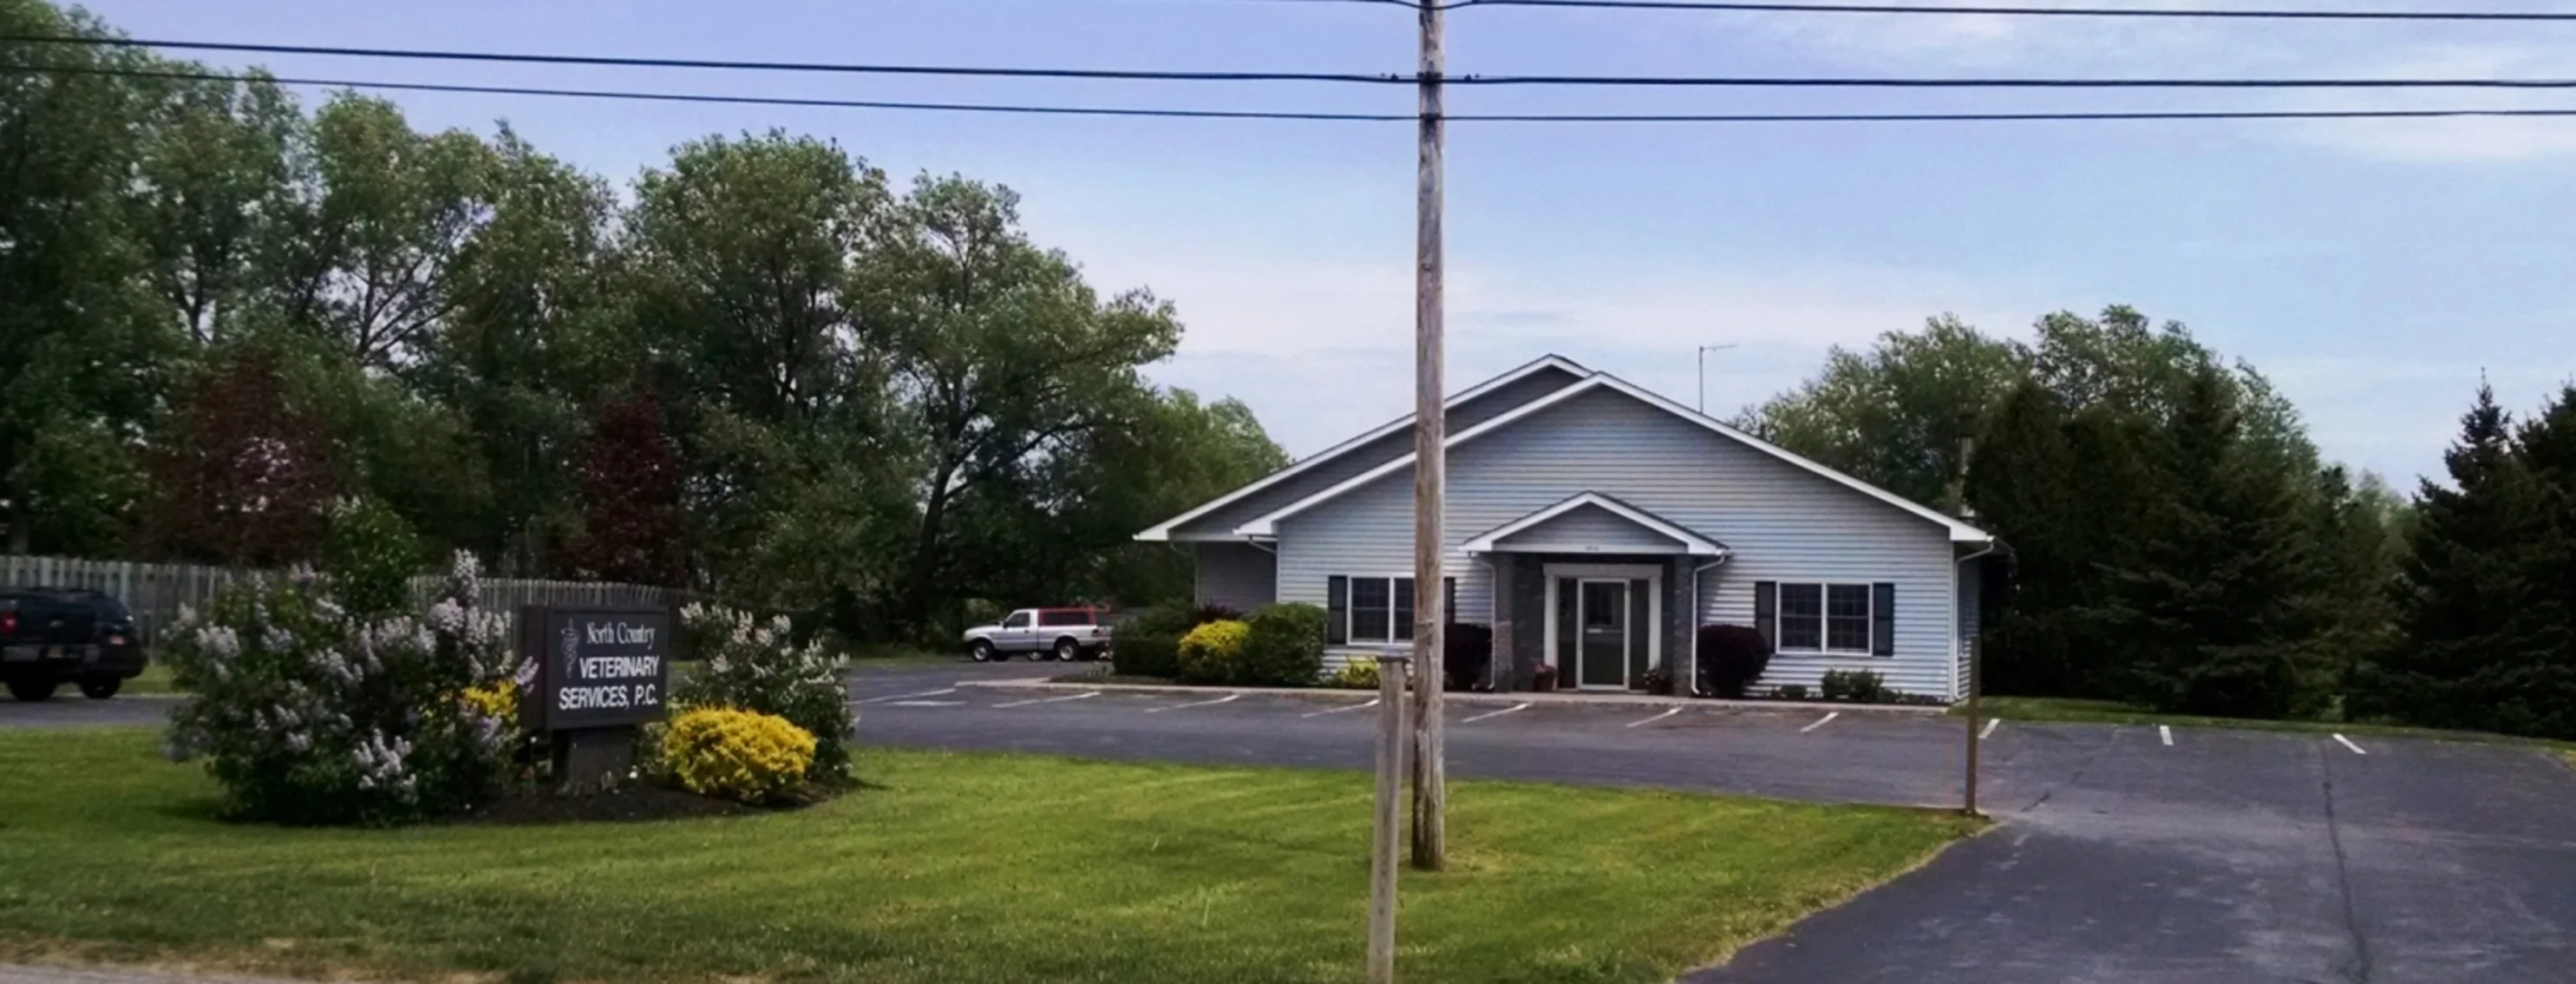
1018, 620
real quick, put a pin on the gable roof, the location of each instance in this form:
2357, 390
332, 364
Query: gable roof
1960, 531
1692, 543
1166, 531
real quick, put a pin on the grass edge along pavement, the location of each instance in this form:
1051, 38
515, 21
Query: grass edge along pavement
950, 867
2067, 710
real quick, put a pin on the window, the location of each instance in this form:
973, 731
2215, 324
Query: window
1074, 616
1018, 620
1853, 619
1379, 609
1802, 613
1847, 618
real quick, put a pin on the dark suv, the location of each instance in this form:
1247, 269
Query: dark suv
52, 635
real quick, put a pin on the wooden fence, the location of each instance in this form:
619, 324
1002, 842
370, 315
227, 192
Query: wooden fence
155, 592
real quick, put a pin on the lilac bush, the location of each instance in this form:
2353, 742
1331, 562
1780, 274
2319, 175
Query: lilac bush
308, 714
754, 665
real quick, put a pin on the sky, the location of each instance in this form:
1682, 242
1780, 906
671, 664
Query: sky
2375, 270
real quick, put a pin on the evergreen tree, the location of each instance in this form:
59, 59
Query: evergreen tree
2462, 582
2209, 604
2531, 689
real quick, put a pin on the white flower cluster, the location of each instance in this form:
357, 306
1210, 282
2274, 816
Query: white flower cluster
383, 763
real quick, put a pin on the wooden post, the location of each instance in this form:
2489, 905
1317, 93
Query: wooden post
1430, 472
1976, 671
1391, 743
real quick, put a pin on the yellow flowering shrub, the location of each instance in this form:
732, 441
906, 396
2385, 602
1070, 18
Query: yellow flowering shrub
1358, 674
1213, 653
500, 701
740, 755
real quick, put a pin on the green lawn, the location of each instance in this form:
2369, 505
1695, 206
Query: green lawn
949, 868
2114, 712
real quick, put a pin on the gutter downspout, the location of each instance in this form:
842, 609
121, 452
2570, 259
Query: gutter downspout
1691, 686
1958, 688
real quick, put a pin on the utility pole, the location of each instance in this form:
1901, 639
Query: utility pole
1430, 476
1704, 350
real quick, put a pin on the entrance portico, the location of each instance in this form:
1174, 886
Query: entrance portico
1592, 591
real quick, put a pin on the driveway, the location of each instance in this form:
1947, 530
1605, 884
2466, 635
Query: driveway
2122, 853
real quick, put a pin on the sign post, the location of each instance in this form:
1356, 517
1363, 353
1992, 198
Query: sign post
600, 673
1387, 825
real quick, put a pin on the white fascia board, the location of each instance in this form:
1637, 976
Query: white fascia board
1163, 532
1693, 543
1959, 531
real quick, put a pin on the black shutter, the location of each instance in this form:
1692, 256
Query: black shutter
1882, 619
1401, 591
1337, 610
1766, 612
1449, 600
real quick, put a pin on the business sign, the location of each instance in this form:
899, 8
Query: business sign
596, 667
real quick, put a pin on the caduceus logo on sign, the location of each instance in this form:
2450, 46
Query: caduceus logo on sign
571, 652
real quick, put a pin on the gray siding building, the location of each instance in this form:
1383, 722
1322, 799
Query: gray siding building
1594, 526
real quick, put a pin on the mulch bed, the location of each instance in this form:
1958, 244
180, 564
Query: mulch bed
638, 802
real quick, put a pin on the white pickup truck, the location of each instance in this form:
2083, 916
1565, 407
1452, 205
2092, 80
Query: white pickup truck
1061, 633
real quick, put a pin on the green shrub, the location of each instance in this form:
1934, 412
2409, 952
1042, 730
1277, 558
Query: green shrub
1213, 653
1790, 691
1466, 655
369, 554
757, 666
1285, 647
1731, 657
738, 755
1360, 673
307, 713
1857, 686
1148, 644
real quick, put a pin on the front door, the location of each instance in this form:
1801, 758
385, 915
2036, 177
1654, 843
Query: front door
1602, 659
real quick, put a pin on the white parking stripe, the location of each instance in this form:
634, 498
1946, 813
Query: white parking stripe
1229, 698
1821, 722
1372, 702
927, 703
2347, 743
1049, 700
1990, 728
1495, 714
1658, 717
2165, 731
894, 697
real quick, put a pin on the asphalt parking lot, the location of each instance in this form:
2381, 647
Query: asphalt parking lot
2123, 853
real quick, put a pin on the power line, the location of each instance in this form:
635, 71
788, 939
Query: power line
706, 63
1670, 81
2524, 16
1224, 114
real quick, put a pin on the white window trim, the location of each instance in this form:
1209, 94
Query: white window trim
1824, 619
1350, 611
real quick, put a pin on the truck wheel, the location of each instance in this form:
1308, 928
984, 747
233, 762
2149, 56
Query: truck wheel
1067, 650
101, 689
31, 691
982, 651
